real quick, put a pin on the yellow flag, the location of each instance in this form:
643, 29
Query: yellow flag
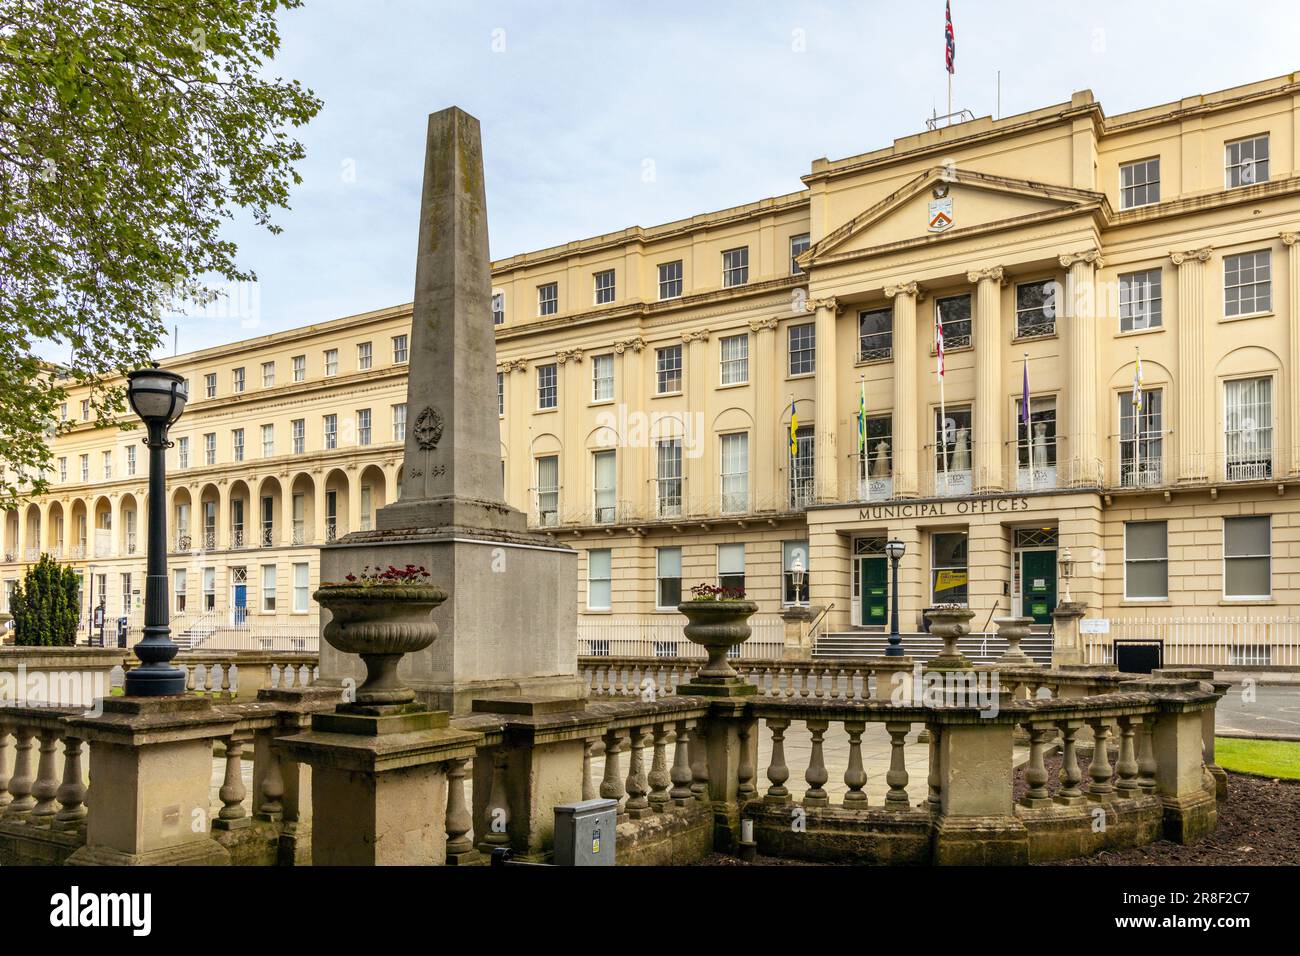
794, 428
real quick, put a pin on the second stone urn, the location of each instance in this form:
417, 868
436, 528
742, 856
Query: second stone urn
717, 626
949, 624
380, 623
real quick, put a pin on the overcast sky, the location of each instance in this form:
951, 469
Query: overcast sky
722, 102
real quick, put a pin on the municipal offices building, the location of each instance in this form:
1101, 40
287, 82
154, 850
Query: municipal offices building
648, 379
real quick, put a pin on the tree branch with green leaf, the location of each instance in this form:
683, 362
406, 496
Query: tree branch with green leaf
130, 133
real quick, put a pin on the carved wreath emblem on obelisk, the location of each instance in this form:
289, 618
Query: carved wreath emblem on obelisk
428, 429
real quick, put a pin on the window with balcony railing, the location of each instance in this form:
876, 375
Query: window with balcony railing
1141, 440
548, 490
953, 314
875, 335
1035, 309
802, 474
876, 460
735, 473
952, 458
668, 478
605, 476
1036, 444
1248, 439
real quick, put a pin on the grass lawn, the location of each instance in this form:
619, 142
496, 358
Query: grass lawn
1268, 758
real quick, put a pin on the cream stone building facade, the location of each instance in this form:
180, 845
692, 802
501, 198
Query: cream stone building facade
648, 378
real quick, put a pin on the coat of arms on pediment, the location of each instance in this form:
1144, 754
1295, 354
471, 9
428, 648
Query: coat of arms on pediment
428, 429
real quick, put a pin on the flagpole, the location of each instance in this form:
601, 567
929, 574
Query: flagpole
1137, 419
1024, 415
943, 419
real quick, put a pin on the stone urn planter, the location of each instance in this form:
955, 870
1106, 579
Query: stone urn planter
717, 626
380, 624
949, 624
1014, 630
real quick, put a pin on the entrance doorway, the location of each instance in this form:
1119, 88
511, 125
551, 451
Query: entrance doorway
239, 595
1034, 573
870, 583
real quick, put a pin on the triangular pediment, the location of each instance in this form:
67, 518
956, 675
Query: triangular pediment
943, 202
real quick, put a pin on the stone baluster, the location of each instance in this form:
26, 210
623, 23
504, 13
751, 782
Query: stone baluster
700, 765
589, 791
190, 670
5, 796
638, 787
207, 678
1069, 793
804, 676
855, 777
681, 772
232, 814
1127, 765
934, 779
816, 775
777, 771
45, 789
1040, 737
272, 805
20, 782
459, 822
72, 792
1100, 770
611, 787
225, 679
498, 820
897, 799
745, 788
1146, 756
659, 779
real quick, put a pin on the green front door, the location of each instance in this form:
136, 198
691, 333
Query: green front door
875, 596
1038, 585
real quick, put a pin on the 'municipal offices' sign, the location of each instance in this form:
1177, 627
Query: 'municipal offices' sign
940, 509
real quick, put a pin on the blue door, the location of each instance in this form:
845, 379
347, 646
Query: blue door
241, 603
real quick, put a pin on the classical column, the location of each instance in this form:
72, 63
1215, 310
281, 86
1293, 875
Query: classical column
988, 378
827, 464
629, 387
701, 482
1292, 242
575, 460
1192, 461
906, 358
763, 480
1081, 343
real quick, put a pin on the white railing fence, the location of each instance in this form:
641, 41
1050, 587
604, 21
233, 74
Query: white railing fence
1207, 641
660, 635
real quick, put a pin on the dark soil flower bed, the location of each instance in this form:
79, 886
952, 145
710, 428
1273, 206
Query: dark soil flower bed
1257, 827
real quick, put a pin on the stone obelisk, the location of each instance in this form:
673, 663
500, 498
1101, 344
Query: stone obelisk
510, 623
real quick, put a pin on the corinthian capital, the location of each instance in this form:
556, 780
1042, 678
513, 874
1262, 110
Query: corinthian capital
1290, 238
1091, 256
994, 274
826, 302
1191, 255
903, 288
636, 344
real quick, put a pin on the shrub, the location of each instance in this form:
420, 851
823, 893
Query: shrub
46, 606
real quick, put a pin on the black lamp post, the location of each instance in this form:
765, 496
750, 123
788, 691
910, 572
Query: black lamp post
158, 397
894, 549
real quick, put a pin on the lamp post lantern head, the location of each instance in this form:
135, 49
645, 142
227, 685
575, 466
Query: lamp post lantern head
1066, 561
895, 549
157, 395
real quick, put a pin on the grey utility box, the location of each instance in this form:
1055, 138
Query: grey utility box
584, 833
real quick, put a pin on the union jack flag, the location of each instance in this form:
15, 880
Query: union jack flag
950, 42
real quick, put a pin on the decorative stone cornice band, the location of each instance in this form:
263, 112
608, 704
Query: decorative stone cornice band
995, 274
1090, 256
1191, 255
